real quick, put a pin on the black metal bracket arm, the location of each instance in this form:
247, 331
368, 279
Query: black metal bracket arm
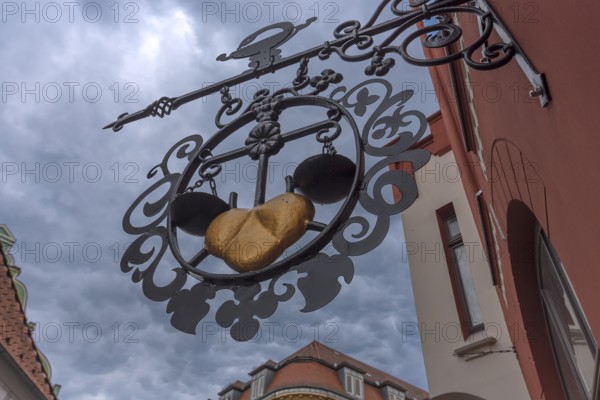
264, 55
538, 80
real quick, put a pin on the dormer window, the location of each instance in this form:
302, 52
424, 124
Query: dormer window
354, 384
258, 385
395, 394
233, 391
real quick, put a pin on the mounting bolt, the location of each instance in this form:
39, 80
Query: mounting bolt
537, 91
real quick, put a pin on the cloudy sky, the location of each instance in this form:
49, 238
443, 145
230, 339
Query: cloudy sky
71, 68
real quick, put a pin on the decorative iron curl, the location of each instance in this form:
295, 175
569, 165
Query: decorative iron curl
158, 209
136, 256
377, 126
185, 148
445, 33
265, 104
352, 31
495, 56
230, 106
157, 213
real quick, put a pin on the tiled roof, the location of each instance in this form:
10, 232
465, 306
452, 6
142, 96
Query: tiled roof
331, 356
268, 364
306, 374
237, 385
16, 336
315, 366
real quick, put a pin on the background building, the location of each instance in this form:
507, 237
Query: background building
25, 372
467, 350
529, 179
320, 372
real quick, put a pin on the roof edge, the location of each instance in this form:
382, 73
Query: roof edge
33, 345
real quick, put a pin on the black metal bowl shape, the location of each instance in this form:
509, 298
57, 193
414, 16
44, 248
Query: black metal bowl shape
193, 212
325, 178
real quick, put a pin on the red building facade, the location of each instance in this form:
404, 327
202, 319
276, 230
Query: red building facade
532, 182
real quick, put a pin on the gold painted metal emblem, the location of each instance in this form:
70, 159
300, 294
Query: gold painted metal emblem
248, 240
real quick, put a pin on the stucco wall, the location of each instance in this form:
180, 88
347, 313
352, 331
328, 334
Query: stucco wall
494, 376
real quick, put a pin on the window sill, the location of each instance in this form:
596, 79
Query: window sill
469, 352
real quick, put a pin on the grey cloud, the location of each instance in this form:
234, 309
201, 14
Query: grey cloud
172, 49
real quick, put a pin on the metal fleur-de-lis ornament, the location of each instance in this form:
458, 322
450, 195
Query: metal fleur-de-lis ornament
265, 240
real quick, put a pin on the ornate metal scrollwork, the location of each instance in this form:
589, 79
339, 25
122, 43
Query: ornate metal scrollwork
318, 272
265, 56
387, 132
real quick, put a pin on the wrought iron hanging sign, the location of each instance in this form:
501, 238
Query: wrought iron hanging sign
253, 241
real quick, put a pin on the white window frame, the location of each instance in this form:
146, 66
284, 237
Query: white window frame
395, 394
258, 386
354, 384
464, 289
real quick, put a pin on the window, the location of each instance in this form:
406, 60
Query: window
354, 383
395, 394
573, 344
463, 101
489, 244
457, 257
258, 386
